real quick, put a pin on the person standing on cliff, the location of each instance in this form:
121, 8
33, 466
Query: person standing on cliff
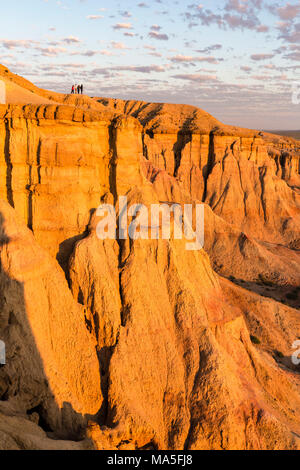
81, 89
73, 89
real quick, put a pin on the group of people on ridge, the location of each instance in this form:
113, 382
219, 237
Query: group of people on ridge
77, 90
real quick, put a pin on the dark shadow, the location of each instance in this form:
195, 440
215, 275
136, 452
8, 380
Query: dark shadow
24, 386
9, 167
29, 188
113, 161
195, 410
284, 294
183, 138
285, 362
66, 248
207, 169
147, 117
104, 356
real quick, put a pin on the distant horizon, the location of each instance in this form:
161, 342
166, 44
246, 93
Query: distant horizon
238, 59
166, 102
281, 130
175, 103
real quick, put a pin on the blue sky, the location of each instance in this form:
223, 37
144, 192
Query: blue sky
237, 59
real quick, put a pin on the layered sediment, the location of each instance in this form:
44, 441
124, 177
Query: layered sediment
142, 344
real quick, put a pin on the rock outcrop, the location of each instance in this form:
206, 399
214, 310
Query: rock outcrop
122, 344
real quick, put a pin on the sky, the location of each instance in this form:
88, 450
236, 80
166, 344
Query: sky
239, 60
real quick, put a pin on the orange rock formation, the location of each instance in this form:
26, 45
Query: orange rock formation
142, 344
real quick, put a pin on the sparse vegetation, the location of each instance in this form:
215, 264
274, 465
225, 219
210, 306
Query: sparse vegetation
292, 295
255, 340
279, 354
262, 280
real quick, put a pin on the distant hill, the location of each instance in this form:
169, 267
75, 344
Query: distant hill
293, 134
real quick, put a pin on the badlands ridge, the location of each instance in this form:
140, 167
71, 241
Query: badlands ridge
142, 344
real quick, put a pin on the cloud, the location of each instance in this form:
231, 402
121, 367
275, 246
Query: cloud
94, 17
182, 58
196, 77
118, 45
158, 36
71, 40
207, 50
236, 14
155, 27
142, 68
89, 53
130, 68
288, 12
260, 77
50, 51
105, 52
292, 35
122, 26
293, 56
13, 44
236, 21
258, 57
262, 28
155, 54
125, 14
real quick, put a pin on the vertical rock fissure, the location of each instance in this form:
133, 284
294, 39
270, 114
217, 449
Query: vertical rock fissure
183, 139
283, 159
262, 173
114, 192
241, 183
30, 192
9, 167
145, 148
39, 161
104, 357
210, 164
177, 149
193, 393
106, 352
113, 161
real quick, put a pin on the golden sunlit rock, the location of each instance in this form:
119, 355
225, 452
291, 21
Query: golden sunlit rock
130, 344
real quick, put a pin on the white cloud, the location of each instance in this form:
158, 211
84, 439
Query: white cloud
94, 17
122, 26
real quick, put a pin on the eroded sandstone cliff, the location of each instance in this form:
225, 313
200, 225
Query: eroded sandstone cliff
142, 344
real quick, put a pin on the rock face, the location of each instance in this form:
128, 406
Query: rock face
52, 366
120, 344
